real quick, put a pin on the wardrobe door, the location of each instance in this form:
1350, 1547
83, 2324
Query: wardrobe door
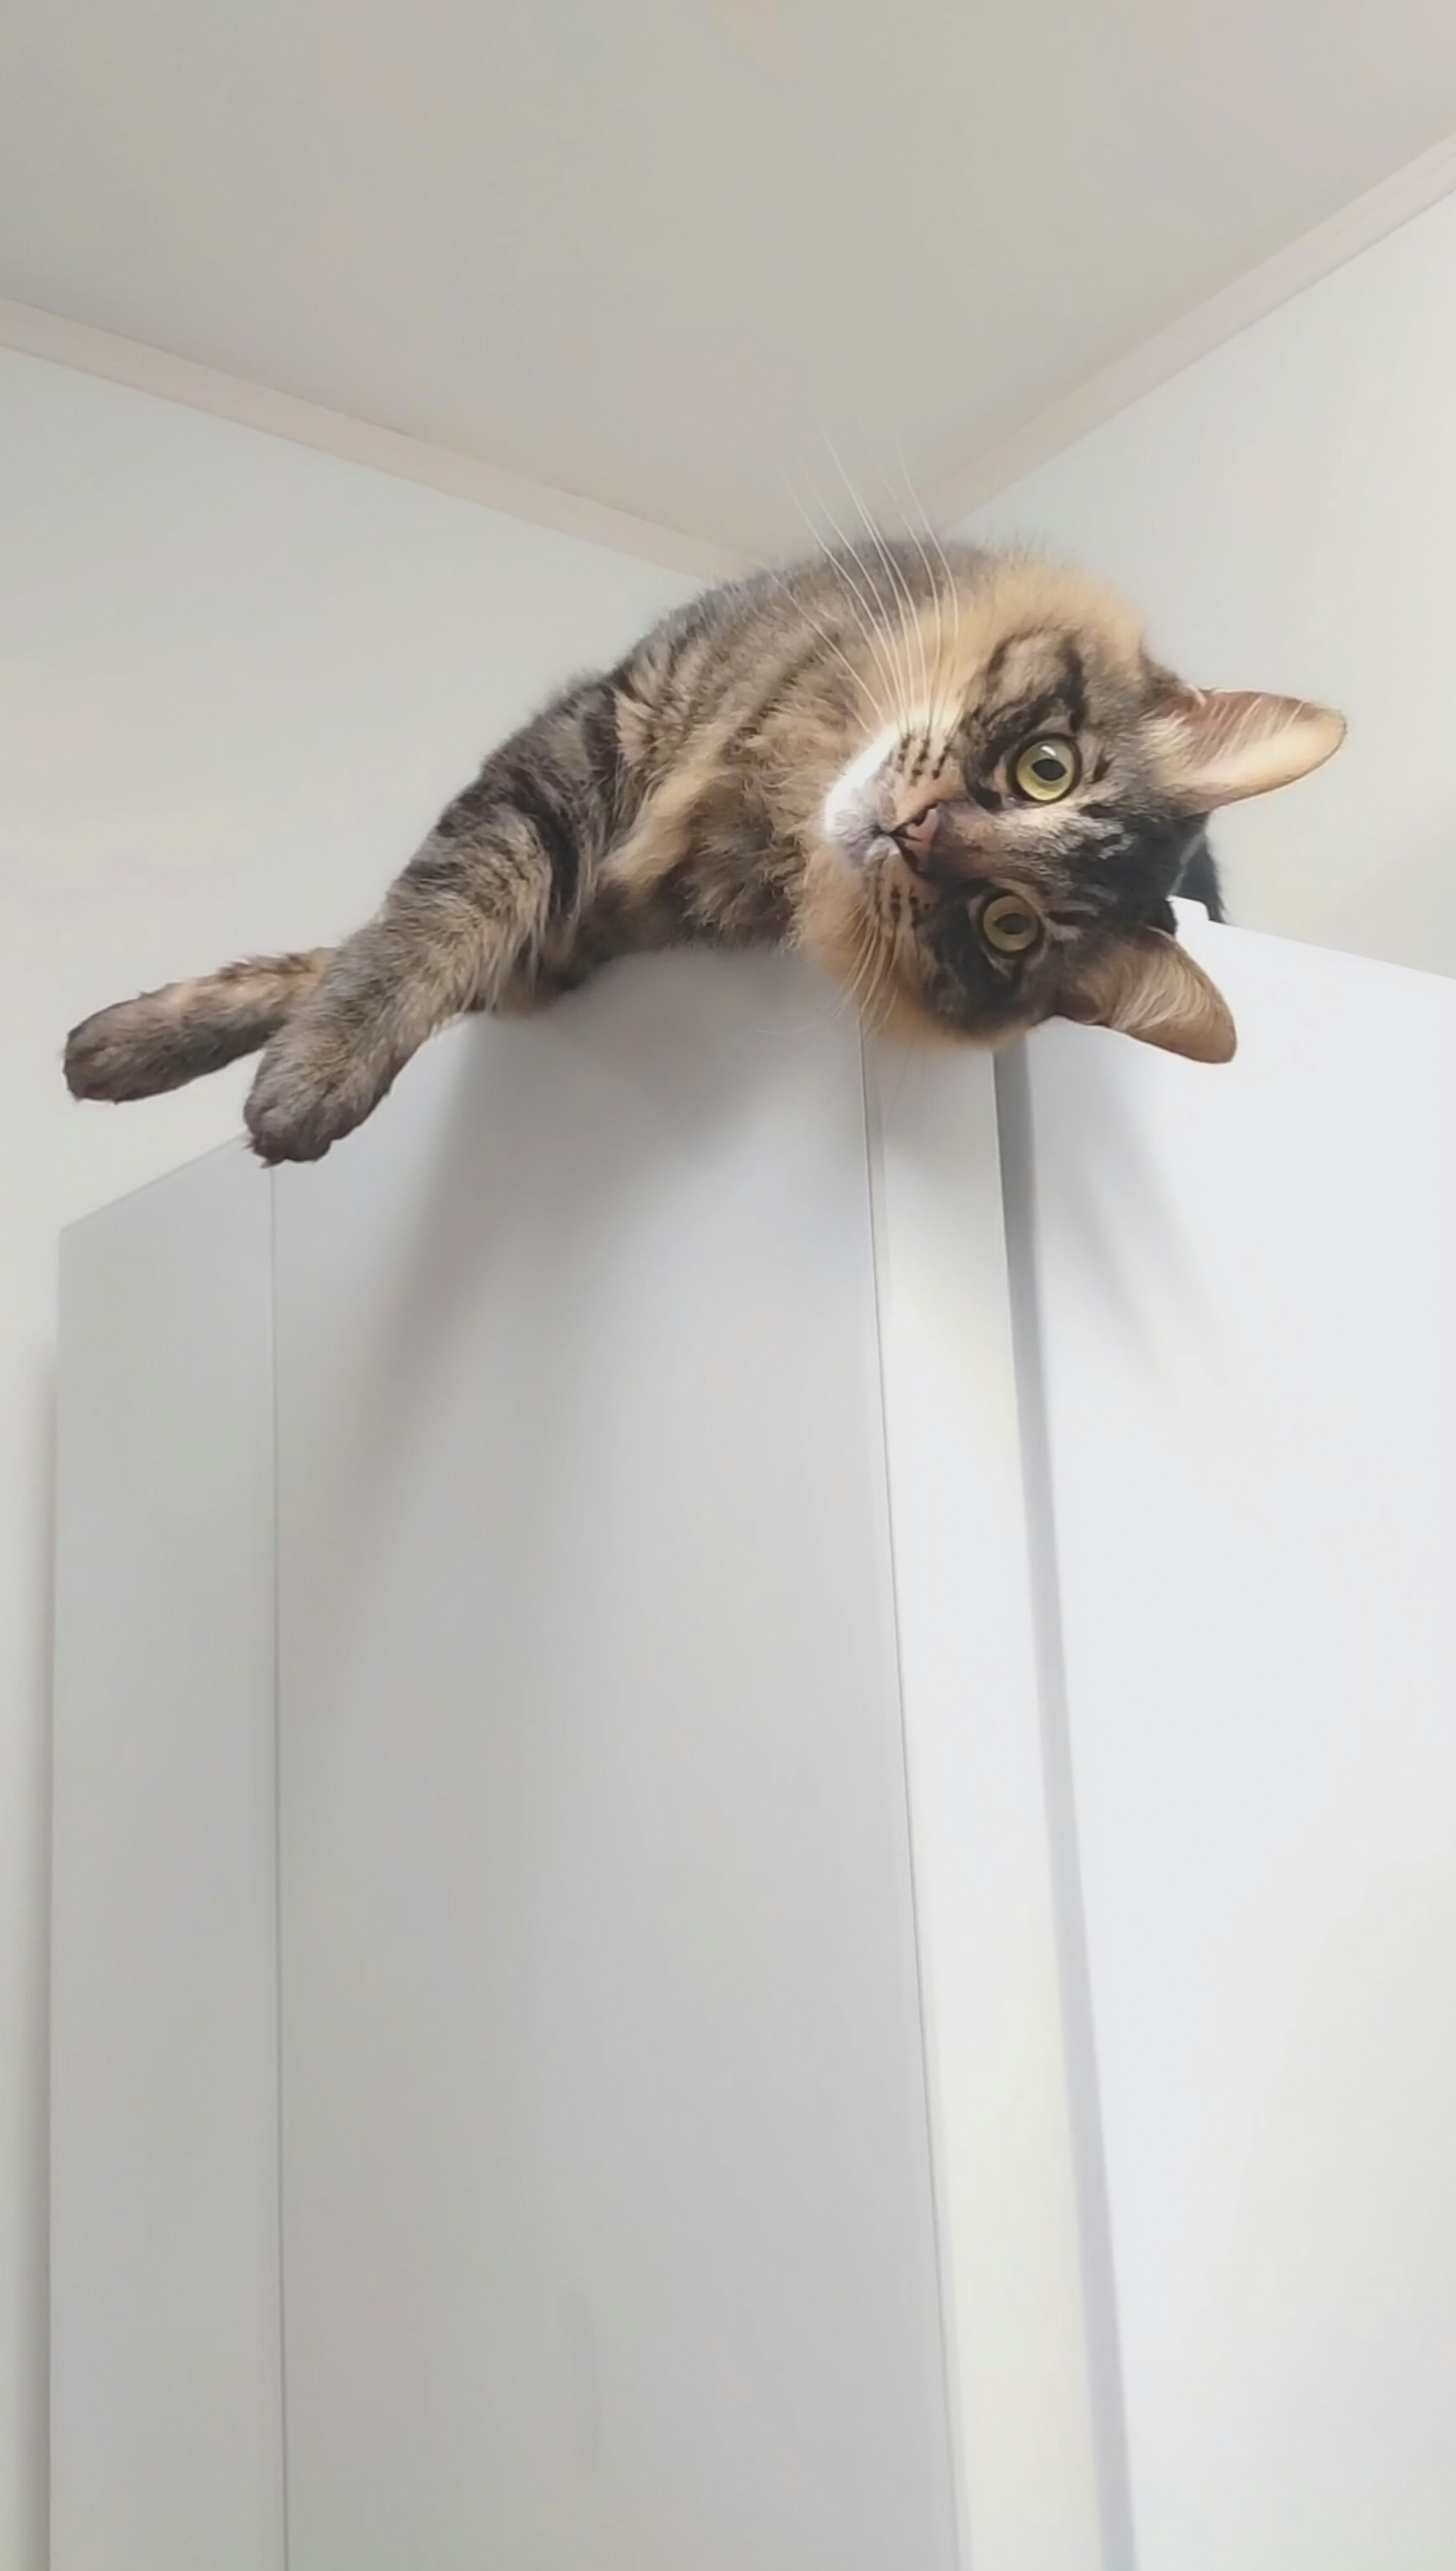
992, 1911
1239, 1392
608, 2216
166, 2401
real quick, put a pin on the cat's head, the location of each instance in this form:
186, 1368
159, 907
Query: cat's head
1003, 850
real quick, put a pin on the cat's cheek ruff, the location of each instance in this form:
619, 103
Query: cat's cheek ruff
837, 924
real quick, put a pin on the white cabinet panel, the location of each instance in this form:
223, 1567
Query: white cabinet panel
1248, 1306
166, 2398
1042, 2474
865, 1831
609, 2236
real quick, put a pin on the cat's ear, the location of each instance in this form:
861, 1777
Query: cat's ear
1220, 745
1143, 984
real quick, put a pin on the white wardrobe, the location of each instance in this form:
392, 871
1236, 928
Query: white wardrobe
755, 1807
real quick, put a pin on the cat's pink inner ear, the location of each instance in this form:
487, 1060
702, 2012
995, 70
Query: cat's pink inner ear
1147, 986
1224, 745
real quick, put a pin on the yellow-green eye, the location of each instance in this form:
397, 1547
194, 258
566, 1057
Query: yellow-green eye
1009, 924
1045, 771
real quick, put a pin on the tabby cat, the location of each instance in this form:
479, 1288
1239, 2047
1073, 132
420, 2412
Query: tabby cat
955, 777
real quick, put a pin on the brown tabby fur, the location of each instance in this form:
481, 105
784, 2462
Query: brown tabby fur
824, 757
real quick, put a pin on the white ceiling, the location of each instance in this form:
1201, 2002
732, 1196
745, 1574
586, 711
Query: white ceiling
674, 254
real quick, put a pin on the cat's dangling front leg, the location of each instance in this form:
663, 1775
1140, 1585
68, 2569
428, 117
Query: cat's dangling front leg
504, 876
453, 930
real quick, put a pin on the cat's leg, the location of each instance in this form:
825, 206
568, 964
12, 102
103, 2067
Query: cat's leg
163, 1039
499, 881
446, 941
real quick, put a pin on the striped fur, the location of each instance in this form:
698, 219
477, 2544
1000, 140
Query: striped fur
825, 756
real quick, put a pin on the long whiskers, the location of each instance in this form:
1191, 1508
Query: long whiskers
881, 714
870, 978
942, 707
870, 958
863, 611
942, 592
913, 626
845, 565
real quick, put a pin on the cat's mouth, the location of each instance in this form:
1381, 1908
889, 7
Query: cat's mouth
859, 835
871, 838
858, 817
867, 834
940, 846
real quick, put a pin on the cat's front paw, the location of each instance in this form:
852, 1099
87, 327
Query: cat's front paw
129, 1051
309, 1092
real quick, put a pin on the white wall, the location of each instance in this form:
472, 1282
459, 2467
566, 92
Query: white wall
1285, 512
237, 681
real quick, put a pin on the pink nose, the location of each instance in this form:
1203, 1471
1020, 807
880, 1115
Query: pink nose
917, 837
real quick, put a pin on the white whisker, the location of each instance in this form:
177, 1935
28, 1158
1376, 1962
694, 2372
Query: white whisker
862, 619
881, 717
897, 577
896, 625
938, 709
874, 604
945, 706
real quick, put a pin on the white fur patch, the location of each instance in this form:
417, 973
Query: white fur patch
842, 801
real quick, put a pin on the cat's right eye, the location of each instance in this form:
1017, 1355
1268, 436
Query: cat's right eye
1044, 770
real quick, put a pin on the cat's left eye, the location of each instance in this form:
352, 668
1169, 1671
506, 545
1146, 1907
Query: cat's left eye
1010, 925
1044, 770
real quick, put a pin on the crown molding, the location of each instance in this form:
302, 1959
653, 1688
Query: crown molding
1316, 255
355, 441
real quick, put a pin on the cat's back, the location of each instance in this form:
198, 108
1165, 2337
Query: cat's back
725, 657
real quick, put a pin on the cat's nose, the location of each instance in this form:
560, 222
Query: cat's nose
918, 835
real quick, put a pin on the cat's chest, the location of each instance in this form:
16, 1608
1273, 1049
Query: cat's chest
725, 880
706, 856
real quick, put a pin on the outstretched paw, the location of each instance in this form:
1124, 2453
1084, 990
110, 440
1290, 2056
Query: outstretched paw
309, 1092
129, 1051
